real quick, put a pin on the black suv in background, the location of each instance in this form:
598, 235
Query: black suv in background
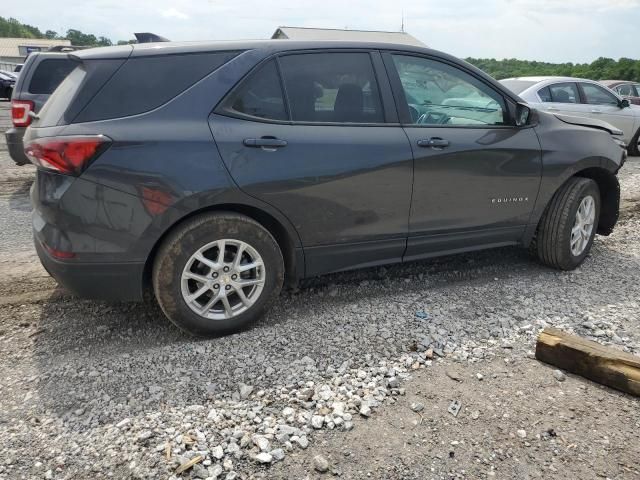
262, 163
39, 77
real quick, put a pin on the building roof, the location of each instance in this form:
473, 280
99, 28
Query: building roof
11, 47
303, 33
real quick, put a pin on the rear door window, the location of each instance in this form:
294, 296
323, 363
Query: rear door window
50, 73
597, 95
332, 87
564, 93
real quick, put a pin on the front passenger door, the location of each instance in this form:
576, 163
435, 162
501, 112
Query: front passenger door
476, 177
604, 105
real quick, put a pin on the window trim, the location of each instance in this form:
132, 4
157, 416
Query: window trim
583, 95
403, 108
223, 106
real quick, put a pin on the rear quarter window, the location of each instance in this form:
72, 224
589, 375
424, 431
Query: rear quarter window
49, 74
145, 83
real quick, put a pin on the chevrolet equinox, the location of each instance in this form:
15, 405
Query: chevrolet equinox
216, 173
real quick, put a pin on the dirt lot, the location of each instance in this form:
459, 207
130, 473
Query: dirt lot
94, 390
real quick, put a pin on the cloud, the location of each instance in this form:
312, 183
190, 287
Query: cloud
174, 13
575, 7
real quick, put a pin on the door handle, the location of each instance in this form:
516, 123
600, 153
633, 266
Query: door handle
264, 142
595, 110
552, 109
434, 142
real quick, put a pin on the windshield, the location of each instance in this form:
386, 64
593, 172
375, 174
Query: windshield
518, 86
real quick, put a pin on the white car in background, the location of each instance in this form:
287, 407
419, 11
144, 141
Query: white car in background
579, 97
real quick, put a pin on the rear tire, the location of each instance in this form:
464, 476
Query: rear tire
634, 148
200, 286
559, 242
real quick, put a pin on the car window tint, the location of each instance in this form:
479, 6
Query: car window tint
597, 95
439, 94
564, 93
142, 84
332, 87
545, 94
49, 74
261, 95
637, 87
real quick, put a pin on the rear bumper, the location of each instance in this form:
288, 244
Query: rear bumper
16, 146
103, 281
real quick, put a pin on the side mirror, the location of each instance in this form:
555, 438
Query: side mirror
523, 112
625, 103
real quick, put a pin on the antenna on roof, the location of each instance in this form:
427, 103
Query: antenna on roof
402, 26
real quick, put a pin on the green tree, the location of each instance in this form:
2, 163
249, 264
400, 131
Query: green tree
600, 69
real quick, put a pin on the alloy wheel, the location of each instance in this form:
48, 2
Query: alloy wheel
223, 279
583, 225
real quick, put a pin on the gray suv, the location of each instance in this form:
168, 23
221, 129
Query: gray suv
39, 77
263, 163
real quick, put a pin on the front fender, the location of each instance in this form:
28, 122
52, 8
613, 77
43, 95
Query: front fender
569, 150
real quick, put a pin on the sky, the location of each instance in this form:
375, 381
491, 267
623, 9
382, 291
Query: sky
544, 30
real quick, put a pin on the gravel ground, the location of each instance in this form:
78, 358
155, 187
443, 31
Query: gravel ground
96, 390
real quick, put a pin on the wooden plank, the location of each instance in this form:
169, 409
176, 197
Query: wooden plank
589, 359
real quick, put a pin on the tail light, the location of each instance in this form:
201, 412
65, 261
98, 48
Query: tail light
60, 254
69, 155
20, 112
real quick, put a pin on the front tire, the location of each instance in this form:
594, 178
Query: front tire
568, 226
217, 273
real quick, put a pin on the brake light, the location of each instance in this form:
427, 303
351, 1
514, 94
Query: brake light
69, 155
60, 254
20, 110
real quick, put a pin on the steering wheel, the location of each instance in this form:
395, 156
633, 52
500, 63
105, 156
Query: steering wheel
433, 118
415, 114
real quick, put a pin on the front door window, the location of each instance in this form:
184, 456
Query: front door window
439, 94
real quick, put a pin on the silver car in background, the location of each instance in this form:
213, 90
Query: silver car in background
579, 97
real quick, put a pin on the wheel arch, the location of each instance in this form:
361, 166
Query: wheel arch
609, 197
292, 255
609, 188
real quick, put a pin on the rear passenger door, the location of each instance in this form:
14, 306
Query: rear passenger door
316, 135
